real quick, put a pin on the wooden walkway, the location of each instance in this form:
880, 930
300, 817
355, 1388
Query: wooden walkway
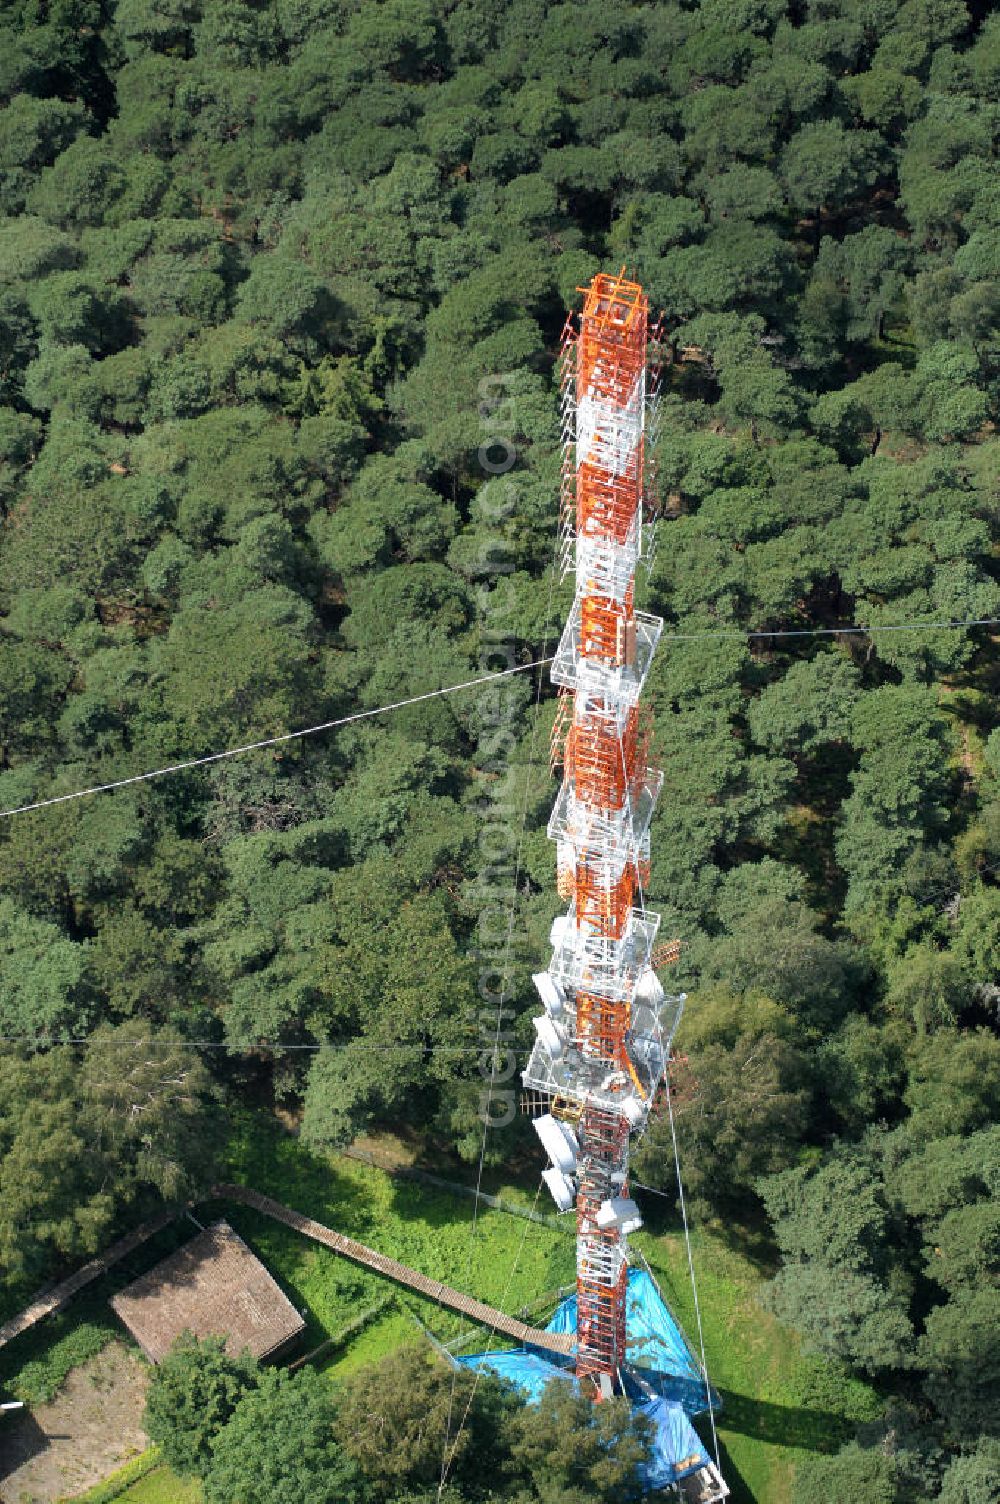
497, 1321
50, 1300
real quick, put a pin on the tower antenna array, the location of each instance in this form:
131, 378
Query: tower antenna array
602, 1040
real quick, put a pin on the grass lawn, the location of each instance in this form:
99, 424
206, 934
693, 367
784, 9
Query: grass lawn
395, 1329
163, 1487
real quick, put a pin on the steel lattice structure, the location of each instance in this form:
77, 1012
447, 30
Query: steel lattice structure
603, 1038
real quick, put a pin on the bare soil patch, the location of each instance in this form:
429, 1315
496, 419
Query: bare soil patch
91, 1427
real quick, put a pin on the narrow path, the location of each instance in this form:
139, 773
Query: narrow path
51, 1299
520, 1331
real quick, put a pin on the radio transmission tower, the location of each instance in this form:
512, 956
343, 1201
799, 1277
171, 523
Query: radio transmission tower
603, 1038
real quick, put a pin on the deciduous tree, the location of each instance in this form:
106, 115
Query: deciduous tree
192, 1394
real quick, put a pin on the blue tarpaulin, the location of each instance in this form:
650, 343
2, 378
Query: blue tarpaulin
654, 1343
656, 1346
528, 1370
676, 1449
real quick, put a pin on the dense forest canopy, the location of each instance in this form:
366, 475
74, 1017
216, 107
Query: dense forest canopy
281, 290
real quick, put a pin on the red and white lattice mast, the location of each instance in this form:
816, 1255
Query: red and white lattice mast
602, 1040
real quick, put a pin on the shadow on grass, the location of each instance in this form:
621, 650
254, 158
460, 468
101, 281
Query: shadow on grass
430, 1206
773, 1425
751, 1239
739, 1489
783, 1425
266, 1158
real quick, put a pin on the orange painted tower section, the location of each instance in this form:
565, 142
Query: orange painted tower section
603, 1038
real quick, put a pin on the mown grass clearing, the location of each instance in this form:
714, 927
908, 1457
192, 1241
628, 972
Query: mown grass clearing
145, 1480
392, 1331
504, 1260
163, 1487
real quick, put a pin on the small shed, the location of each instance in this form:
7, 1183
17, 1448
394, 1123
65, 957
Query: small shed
214, 1287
